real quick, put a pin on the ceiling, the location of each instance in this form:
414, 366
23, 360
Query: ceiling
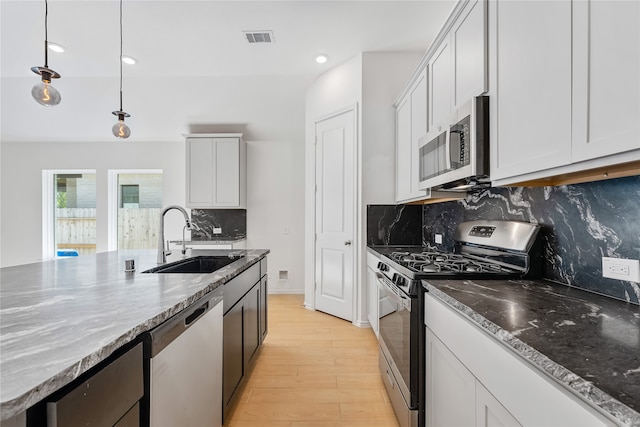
195, 70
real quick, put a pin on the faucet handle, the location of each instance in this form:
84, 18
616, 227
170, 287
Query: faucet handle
168, 251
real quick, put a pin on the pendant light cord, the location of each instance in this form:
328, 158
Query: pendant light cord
46, 43
120, 55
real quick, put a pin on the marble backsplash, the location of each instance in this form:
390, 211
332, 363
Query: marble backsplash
394, 225
581, 224
233, 223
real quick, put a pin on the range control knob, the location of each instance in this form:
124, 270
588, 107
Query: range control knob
398, 279
383, 267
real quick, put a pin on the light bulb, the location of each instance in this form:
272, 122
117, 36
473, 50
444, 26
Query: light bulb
121, 130
45, 94
321, 59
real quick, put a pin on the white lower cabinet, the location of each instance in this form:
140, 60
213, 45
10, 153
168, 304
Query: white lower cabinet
454, 396
473, 380
450, 387
372, 292
489, 412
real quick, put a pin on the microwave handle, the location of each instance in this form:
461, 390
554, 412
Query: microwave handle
447, 145
454, 146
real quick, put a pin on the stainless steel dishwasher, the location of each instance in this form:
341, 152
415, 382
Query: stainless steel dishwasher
183, 364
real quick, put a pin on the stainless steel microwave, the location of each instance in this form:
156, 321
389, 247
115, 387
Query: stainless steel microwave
456, 156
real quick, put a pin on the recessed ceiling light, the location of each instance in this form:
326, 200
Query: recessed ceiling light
321, 59
55, 47
128, 60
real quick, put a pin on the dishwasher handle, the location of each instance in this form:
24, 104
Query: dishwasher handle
161, 336
196, 314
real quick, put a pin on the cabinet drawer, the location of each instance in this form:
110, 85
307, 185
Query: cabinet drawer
235, 289
104, 398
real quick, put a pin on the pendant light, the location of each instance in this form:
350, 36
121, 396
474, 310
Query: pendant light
120, 129
43, 92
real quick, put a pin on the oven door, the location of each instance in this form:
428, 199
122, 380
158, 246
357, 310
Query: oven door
394, 326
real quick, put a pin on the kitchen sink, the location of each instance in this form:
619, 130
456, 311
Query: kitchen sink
198, 264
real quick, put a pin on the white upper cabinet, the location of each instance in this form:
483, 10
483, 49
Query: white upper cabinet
453, 70
403, 150
411, 125
458, 66
216, 171
564, 87
469, 41
530, 107
606, 78
440, 85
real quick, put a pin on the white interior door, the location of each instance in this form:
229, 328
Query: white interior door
335, 185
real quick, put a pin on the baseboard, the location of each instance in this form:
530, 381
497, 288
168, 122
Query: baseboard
286, 291
362, 324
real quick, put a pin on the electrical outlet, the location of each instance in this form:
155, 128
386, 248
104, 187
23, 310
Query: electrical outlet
438, 238
621, 269
217, 230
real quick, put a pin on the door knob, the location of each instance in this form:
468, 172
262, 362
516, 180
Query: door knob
347, 242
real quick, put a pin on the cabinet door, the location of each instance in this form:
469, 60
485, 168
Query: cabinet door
440, 86
403, 150
469, 40
227, 172
263, 308
606, 86
200, 172
372, 299
233, 365
251, 303
411, 125
489, 412
530, 63
450, 387
419, 128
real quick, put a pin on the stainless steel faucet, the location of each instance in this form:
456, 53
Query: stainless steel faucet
162, 252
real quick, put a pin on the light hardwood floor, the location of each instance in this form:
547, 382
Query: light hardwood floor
313, 370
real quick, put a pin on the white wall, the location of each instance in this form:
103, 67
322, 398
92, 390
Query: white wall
274, 194
275, 210
335, 90
372, 82
22, 165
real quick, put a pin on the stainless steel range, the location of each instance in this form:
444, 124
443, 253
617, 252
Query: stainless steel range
482, 249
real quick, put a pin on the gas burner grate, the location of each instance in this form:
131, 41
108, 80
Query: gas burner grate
431, 260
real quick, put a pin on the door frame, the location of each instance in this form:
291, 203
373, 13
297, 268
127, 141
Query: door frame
49, 209
310, 295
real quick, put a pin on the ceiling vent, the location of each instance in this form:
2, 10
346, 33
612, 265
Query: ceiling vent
259, 36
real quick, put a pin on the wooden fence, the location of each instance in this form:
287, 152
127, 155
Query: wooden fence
138, 228
76, 228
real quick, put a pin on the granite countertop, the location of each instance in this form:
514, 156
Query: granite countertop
221, 241
60, 318
588, 343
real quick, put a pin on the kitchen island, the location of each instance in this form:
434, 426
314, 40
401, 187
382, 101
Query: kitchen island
61, 318
586, 343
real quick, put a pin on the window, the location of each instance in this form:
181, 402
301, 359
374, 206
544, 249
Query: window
129, 196
69, 213
135, 203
